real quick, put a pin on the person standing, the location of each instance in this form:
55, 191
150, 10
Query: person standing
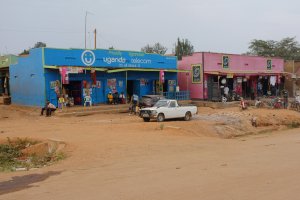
285, 99
226, 91
134, 103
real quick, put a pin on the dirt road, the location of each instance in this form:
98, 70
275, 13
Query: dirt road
119, 157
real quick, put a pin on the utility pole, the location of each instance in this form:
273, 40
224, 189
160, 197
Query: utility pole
85, 22
85, 29
95, 32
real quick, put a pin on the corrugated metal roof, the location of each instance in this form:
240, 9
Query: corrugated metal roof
6, 61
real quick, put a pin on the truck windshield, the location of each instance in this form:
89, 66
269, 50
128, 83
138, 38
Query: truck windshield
161, 103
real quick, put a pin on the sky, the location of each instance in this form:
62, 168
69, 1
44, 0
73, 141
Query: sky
226, 26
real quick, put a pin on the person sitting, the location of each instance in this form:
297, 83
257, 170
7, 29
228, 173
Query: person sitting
49, 107
87, 99
258, 103
243, 104
110, 98
122, 98
45, 108
116, 97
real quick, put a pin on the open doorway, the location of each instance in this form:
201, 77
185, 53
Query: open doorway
73, 90
129, 91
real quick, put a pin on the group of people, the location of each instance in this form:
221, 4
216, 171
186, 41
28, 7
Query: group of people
116, 98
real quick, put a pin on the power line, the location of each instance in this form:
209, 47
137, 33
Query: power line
36, 30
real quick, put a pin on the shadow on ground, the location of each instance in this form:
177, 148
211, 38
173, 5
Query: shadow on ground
18, 183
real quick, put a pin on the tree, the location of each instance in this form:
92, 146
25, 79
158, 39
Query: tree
287, 48
183, 48
111, 48
156, 48
39, 44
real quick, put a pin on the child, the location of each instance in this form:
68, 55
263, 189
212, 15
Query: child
61, 101
243, 104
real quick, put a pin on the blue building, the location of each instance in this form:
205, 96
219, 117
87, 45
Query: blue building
47, 73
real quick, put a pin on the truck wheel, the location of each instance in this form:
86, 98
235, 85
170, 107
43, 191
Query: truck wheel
160, 117
146, 119
187, 116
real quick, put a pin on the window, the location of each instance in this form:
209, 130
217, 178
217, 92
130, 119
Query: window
172, 104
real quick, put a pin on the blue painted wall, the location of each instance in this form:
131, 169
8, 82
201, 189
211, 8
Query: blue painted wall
27, 83
108, 58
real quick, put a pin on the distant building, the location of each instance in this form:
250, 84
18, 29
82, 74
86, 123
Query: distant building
247, 76
292, 82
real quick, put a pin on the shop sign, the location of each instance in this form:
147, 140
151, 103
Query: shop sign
52, 84
88, 58
120, 84
171, 82
107, 58
225, 62
197, 73
111, 82
75, 70
229, 75
269, 64
142, 82
98, 84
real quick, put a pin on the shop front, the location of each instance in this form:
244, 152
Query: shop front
77, 73
5, 62
215, 76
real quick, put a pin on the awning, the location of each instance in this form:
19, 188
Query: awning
120, 70
242, 72
145, 70
84, 68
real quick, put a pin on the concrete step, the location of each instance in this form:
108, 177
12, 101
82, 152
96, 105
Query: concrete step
83, 111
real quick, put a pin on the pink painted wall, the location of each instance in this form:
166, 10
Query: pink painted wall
185, 81
213, 63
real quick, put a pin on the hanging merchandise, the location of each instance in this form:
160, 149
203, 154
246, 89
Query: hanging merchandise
94, 77
162, 76
64, 75
272, 80
223, 81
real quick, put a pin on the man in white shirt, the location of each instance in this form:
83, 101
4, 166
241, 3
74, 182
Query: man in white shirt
49, 107
226, 91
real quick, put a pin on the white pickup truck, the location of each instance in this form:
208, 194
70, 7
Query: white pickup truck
168, 109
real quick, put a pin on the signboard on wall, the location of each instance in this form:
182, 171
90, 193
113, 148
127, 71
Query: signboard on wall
269, 64
108, 58
111, 83
197, 73
225, 62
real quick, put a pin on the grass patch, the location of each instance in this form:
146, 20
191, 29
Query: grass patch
293, 125
12, 158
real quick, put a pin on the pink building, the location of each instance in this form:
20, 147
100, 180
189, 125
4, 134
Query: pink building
247, 76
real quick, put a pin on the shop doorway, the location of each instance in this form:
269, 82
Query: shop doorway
74, 91
133, 87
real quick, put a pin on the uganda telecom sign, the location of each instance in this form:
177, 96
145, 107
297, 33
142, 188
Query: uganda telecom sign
107, 58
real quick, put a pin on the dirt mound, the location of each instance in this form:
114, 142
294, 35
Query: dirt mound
233, 122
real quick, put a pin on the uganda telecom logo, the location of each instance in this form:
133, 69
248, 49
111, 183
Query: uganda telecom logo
88, 57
